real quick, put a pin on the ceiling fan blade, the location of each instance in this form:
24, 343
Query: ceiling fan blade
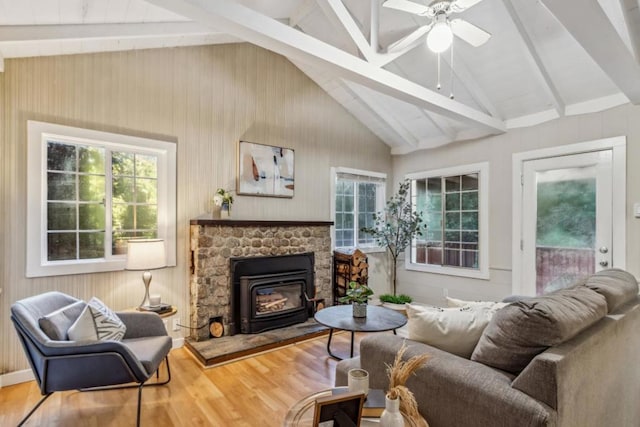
473, 35
409, 6
460, 5
411, 40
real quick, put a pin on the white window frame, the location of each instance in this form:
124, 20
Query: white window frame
482, 272
38, 133
380, 201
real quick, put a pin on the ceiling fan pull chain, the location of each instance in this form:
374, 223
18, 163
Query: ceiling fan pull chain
438, 85
451, 63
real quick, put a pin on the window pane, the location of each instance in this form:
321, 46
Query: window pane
348, 221
452, 257
469, 220
122, 216
61, 186
91, 188
91, 217
91, 160
470, 182
452, 201
470, 237
146, 166
61, 216
434, 185
348, 203
61, 246
469, 259
61, 157
123, 189
348, 238
452, 236
146, 190
470, 201
122, 164
147, 217
91, 245
452, 220
452, 183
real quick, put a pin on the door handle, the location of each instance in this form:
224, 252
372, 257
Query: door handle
603, 250
604, 263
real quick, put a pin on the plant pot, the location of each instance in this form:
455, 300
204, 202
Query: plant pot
359, 309
394, 306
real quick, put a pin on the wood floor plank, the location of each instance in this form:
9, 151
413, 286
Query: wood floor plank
256, 391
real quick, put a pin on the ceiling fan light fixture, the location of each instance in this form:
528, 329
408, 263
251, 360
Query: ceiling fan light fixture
440, 37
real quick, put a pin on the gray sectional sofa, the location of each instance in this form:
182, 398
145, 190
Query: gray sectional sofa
570, 358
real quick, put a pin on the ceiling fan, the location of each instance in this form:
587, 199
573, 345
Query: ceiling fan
441, 29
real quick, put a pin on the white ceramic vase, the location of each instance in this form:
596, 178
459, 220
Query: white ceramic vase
391, 416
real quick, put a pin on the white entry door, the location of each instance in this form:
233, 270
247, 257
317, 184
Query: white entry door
566, 219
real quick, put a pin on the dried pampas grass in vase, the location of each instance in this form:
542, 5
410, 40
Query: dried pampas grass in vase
399, 373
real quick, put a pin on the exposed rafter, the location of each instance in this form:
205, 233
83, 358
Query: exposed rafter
537, 65
595, 33
238, 20
16, 33
631, 13
303, 10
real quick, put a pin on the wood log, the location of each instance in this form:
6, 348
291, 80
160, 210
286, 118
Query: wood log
276, 302
216, 329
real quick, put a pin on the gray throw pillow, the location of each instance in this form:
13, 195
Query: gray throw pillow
521, 330
617, 286
57, 323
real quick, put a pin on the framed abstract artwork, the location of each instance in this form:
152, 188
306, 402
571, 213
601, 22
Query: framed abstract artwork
265, 170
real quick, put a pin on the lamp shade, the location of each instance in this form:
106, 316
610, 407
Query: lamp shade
145, 254
440, 37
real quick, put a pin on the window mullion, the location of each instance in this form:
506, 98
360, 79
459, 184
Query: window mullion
356, 195
108, 204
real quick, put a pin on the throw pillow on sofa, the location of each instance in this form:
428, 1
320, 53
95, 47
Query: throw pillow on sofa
455, 330
521, 330
493, 305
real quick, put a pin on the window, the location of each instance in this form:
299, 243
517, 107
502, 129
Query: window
454, 205
357, 196
89, 192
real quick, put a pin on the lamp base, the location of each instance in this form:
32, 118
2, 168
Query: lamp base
146, 278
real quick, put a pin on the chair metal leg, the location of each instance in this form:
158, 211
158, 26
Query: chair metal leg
139, 402
24, 420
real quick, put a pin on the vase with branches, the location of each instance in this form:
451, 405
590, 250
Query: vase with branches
396, 226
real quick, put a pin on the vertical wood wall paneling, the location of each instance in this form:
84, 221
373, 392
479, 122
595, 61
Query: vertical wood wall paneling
206, 98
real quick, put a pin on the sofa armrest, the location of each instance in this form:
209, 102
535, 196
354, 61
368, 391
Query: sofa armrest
453, 391
142, 324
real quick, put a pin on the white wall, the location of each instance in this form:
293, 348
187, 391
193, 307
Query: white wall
204, 98
498, 151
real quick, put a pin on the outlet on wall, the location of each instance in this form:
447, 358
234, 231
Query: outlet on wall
176, 326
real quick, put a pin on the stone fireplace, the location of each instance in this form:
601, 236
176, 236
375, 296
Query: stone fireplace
263, 297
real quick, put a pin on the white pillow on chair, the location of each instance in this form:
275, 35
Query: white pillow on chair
97, 323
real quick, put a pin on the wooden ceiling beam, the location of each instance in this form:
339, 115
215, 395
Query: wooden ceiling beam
592, 29
537, 65
253, 27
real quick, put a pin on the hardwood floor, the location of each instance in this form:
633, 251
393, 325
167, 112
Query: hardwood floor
254, 392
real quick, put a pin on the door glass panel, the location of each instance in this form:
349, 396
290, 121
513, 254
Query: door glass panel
565, 227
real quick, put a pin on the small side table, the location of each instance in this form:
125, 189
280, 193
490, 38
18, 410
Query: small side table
173, 311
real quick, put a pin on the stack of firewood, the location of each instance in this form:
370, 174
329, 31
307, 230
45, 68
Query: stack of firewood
350, 266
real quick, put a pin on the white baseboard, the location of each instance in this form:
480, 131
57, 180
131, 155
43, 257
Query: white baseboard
17, 377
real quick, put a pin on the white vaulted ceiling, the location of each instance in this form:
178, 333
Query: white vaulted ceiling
545, 59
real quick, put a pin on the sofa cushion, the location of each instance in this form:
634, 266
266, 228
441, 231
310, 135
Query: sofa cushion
617, 286
521, 330
455, 329
57, 323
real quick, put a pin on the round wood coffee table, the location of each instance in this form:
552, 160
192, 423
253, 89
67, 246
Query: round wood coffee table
378, 319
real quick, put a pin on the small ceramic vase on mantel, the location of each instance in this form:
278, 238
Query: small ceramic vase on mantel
391, 416
225, 211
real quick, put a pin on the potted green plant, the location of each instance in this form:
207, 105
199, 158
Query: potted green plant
357, 295
396, 226
395, 302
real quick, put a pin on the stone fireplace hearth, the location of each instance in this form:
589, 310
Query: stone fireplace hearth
215, 242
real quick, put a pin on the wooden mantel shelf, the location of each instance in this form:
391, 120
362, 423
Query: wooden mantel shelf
259, 223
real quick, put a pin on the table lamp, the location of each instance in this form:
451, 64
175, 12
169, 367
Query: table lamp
145, 254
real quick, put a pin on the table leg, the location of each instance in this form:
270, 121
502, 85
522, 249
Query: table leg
329, 346
352, 335
394, 332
